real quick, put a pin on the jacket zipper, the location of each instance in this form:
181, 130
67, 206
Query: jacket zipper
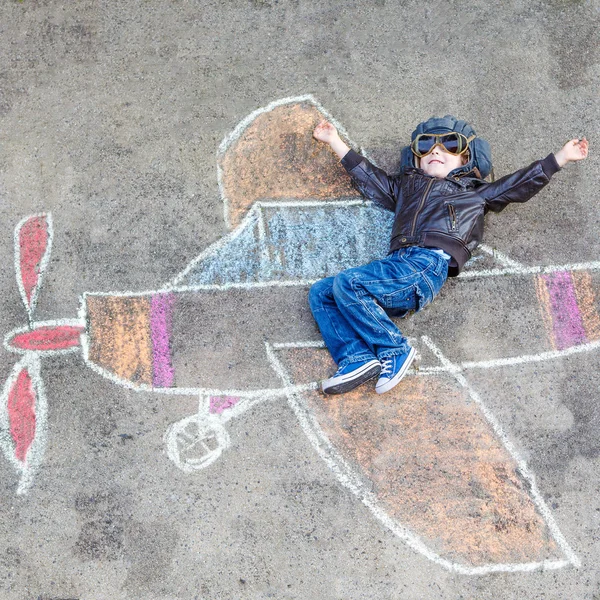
425, 194
452, 215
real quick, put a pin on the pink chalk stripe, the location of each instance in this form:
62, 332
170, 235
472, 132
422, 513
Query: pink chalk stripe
567, 323
161, 320
219, 404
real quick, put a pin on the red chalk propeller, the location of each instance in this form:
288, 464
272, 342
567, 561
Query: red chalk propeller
23, 402
45, 338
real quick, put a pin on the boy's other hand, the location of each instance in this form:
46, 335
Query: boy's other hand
325, 132
573, 150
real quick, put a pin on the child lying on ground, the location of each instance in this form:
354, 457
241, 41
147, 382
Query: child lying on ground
439, 200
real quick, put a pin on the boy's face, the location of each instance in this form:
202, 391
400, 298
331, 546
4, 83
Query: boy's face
438, 163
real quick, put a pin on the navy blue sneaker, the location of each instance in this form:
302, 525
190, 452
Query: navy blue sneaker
351, 376
393, 369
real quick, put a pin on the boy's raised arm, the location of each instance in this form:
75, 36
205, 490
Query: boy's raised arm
372, 182
521, 185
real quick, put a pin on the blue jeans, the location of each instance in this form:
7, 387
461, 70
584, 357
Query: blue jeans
353, 309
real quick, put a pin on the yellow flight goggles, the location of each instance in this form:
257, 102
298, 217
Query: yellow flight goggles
453, 143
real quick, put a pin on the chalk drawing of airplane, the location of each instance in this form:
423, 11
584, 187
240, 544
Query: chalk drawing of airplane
429, 460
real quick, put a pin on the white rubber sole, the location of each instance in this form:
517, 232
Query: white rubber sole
388, 384
345, 383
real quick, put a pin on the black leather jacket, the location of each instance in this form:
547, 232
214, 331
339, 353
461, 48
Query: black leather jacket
444, 213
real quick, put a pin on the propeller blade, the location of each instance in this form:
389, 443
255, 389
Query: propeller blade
33, 241
23, 419
45, 337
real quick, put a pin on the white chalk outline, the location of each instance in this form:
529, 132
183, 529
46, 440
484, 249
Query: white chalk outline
524, 270
263, 246
30, 306
214, 423
251, 398
309, 344
508, 361
500, 257
35, 452
347, 476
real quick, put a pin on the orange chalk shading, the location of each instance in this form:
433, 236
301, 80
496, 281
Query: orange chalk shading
586, 300
434, 463
119, 336
276, 157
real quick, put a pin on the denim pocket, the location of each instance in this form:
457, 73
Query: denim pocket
401, 300
436, 278
425, 293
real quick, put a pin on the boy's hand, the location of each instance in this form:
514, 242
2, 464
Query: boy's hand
326, 132
573, 150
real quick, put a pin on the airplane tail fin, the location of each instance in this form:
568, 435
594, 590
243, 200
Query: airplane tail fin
272, 156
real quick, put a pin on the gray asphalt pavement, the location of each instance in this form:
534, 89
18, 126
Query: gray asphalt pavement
111, 119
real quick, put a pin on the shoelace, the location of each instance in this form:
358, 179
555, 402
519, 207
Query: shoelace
386, 366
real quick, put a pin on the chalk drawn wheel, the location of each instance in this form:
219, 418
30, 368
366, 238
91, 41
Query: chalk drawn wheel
195, 442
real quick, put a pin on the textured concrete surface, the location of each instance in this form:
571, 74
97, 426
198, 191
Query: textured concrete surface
111, 116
